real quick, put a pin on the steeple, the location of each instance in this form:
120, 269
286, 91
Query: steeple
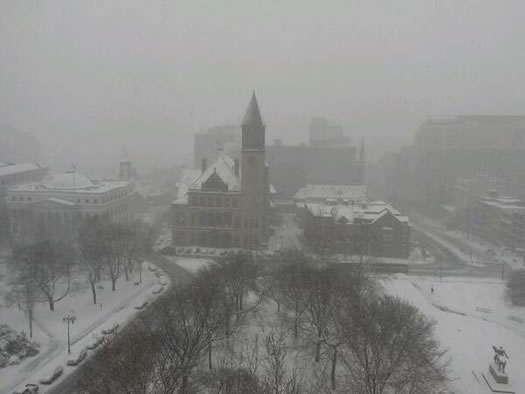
252, 117
253, 128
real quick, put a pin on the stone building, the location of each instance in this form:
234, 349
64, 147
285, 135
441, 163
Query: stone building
369, 228
54, 208
227, 203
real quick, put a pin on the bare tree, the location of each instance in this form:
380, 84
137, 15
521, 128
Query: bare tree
278, 377
389, 346
124, 364
93, 250
48, 264
24, 293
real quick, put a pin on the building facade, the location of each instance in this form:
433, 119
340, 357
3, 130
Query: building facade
54, 208
501, 220
368, 228
295, 166
227, 204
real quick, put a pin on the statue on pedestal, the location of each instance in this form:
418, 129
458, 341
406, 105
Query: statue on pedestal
500, 358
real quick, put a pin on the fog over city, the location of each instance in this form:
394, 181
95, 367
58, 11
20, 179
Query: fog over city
89, 75
273, 197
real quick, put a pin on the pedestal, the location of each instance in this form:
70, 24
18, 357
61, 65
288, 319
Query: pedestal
497, 381
499, 377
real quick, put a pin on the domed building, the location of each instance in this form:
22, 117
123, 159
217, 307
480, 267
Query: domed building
54, 207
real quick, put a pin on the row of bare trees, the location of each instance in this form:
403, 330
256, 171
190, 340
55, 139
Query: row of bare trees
166, 349
43, 271
194, 339
378, 343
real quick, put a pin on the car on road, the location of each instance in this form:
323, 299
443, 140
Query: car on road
57, 372
141, 305
27, 389
111, 330
96, 343
158, 290
78, 359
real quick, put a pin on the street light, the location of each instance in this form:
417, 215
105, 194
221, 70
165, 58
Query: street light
69, 319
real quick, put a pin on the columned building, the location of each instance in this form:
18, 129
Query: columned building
54, 208
227, 203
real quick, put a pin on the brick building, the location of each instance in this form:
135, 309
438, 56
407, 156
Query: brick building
227, 204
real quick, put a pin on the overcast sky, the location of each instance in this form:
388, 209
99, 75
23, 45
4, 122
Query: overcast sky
88, 76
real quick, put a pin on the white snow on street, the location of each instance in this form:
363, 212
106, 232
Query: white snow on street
469, 337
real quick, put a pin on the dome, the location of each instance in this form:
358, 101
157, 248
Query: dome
68, 180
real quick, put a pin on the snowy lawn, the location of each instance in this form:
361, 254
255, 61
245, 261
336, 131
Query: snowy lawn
467, 333
191, 264
51, 332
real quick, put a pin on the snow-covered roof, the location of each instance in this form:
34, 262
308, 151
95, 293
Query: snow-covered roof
187, 177
67, 180
224, 168
337, 192
10, 168
368, 212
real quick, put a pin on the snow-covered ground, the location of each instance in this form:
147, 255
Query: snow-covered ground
191, 264
466, 331
51, 332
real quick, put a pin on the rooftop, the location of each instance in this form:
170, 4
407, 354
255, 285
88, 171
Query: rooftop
337, 192
12, 168
368, 212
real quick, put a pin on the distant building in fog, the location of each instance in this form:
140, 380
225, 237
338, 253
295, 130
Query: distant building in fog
295, 166
12, 174
463, 146
499, 219
208, 145
335, 193
226, 204
323, 133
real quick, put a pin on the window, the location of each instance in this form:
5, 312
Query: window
234, 203
219, 201
87, 201
210, 201
202, 201
226, 202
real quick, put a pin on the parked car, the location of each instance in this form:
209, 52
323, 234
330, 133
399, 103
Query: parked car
96, 343
111, 330
81, 356
142, 305
53, 376
158, 290
27, 389
168, 251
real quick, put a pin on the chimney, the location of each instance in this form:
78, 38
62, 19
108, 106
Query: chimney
236, 167
204, 164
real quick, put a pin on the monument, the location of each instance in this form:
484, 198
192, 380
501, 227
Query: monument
497, 379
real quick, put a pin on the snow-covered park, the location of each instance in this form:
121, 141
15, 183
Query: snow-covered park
471, 315
50, 330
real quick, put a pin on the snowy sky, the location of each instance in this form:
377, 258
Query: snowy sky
92, 75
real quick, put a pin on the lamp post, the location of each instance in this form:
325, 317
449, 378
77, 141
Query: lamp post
69, 319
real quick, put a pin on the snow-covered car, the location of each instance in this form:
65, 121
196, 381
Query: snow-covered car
27, 389
110, 330
152, 268
141, 305
158, 290
53, 375
96, 343
81, 356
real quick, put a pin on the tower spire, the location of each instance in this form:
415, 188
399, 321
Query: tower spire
252, 117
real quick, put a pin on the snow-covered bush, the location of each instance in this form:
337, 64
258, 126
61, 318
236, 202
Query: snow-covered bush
14, 346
